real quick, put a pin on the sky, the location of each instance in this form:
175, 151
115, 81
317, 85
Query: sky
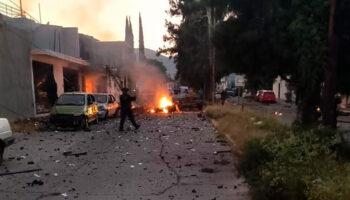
104, 19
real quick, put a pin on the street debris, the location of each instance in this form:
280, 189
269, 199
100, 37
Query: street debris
36, 182
64, 194
221, 162
195, 129
258, 123
278, 114
207, 170
69, 153
181, 146
219, 152
36, 175
20, 172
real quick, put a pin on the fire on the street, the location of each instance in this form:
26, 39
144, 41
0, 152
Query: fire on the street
165, 105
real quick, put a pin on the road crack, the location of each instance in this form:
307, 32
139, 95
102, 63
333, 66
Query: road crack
170, 168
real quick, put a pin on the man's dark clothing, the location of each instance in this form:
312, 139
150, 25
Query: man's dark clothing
223, 97
126, 110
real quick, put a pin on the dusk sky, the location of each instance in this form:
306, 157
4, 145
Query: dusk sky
104, 19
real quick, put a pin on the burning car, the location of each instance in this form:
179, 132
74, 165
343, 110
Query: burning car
164, 105
77, 109
107, 105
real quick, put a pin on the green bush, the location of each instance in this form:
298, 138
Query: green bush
283, 163
296, 165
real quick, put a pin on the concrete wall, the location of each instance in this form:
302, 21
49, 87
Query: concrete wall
88, 48
16, 82
44, 36
100, 54
280, 88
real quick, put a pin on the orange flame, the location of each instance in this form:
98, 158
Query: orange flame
89, 84
163, 105
165, 102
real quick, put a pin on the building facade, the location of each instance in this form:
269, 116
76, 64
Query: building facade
40, 62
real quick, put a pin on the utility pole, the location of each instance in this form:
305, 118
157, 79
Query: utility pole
212, 51
329, 115
39, 13
20, 7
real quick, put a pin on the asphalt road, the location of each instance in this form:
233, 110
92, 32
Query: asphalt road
170, 157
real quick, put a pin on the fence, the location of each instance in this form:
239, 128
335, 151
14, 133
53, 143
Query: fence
13, 12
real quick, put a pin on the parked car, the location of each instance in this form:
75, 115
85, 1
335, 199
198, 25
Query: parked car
230, 93
107, 105
6, 137
76, 108
267, 96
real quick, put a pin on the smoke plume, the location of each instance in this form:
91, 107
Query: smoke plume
151, 84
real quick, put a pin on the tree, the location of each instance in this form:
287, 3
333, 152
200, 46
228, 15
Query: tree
263, 39
279, 37
189, 41
141, 41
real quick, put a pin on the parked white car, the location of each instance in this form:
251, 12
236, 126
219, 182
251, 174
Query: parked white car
107, 105
6, 137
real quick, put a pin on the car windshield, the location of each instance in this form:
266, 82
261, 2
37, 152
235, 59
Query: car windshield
71, 100
101, 98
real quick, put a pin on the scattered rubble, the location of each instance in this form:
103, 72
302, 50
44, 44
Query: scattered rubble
69, 153
207, 170
20, 172
36, 182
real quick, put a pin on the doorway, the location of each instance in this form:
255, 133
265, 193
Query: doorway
71, 80
45, 87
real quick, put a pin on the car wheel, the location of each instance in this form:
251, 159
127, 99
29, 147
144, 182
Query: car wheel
84, 123
96, 120
52, 127
1, 153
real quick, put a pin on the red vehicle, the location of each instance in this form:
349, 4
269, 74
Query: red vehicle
267, 97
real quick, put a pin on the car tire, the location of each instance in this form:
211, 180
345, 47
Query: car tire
52, 127
2, 148
84, 124
96, 120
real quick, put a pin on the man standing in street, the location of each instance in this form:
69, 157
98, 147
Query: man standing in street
223, 97
126, 109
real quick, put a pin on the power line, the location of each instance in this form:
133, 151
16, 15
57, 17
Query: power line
14, 3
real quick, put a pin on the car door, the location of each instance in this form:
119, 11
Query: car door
112, 105
91, 108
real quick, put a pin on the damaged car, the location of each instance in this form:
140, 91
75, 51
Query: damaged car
6, 137
76, 109
107, 105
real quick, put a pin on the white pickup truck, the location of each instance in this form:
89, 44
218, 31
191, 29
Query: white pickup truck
6, 137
